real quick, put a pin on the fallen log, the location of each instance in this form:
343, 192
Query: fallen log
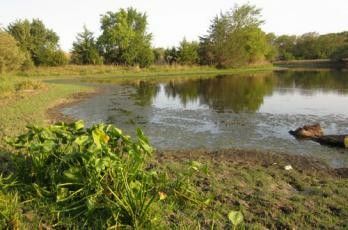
332, 140
315, 133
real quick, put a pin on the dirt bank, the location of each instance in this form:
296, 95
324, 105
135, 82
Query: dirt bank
250, 158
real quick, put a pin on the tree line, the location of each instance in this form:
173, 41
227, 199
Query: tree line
234, 39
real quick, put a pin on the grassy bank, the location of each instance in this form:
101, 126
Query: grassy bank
121, 71
20, 107
312, 64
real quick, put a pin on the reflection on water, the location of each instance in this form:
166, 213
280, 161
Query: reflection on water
245, 111
280, 92
222, 93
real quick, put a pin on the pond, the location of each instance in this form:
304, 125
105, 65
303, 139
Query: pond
252, 111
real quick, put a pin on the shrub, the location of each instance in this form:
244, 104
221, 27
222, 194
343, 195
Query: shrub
29, 85
94, 177
11, 57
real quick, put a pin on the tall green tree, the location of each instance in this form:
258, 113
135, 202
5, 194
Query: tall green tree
11, 57
124, 39
285, 45
205, 51
188, 52
171, 55
159, 55
235, 38
85, 51
38, 41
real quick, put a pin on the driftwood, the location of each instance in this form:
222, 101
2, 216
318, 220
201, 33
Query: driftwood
315, 133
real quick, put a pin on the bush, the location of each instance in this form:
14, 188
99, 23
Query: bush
93, 177
11, 57
29, 85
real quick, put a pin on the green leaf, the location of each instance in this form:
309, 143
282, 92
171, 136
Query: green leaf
99, 137
81, 140
195, 165
48, 146
79, 124
62, 193
236, 217
73, 174
135, 185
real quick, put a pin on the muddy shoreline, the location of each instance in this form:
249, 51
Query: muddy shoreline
266, 159
54, 113
232, 156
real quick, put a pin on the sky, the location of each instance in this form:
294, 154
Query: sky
172, 20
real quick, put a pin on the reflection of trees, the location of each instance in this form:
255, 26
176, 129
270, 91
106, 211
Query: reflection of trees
146, 91
327, 81
241, 93
237, 93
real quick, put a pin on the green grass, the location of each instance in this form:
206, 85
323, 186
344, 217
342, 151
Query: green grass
268, 196
31, 108
121, 71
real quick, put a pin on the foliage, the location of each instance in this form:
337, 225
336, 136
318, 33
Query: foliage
171, 55
124, 39
94, 177
11, 57
235, 38
340, 53
85, 51
38, 41
312, 46
159, 56
188, 52
285, 45
29, 85
236, 218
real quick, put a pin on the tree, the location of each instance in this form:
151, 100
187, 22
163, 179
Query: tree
205, 51
188, 53
159, 56
38, 41
124, 39
340, 53
171, 55
11, 57
285, 45
235, 38
85, 50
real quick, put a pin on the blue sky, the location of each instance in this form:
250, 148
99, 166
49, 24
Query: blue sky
171, 20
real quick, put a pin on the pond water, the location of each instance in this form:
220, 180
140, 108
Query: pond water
253, 111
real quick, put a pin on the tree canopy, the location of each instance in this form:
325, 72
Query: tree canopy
124, 39
85, 50
11, 57
235, 38
312, 46
38, 41
188, 52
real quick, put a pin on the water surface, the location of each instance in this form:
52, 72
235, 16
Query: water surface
244, 111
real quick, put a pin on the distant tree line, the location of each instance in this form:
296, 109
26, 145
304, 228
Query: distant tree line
311, 46
234, 39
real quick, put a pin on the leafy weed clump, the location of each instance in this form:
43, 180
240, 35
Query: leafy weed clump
90, 177
29, 85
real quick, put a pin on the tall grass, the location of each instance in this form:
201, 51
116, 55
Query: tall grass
113, 70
